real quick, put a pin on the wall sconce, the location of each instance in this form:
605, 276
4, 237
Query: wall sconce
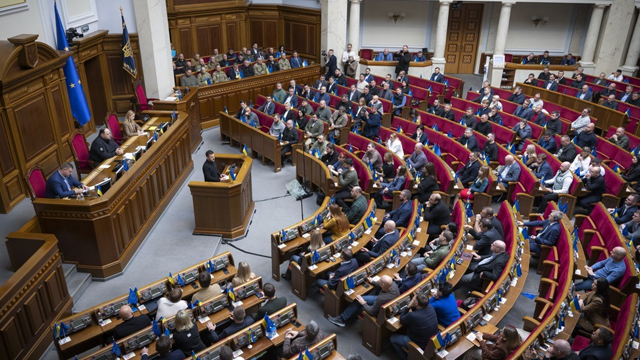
535, 19
395, 17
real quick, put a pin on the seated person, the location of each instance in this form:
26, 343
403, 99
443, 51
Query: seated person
337, 226
295, 342
560, 184
130, 324
384, 56
398, 101
186, 335
319, 146
243, 275
445, 305
170, 305
240, 321
103, 147
594, 307
484, 126
437, 213
271, 304
500, 345
437, 76
524, 111
419, 317
487, 235
412, 278
207, 290
61, 184
595, 184
624, 213
439, 249
479, 185
610, 269
359, 206
369, 303
347, 265
490, 268
418, 159
548, 143
580, 164
268, 107
510, 172
541, 168
469, 172
372, 156
559, 350
599, 347
376, 247
548, 235
523, 132
163, 347
620, 138
568, 60
289, 137
315, 243
587, 137
397, 184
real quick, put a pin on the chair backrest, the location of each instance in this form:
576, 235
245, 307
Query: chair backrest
140, 93
37, 182
80, 150
366, 54
114, 126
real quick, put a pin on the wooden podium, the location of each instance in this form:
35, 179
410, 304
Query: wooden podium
224, 208
189, 105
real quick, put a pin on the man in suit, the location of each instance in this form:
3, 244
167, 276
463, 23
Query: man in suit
609, 90
578, 82
635, 99
347, 265
554, 124
545, 74
523, 132
547, 142
584, 94
469, 139
483, 127
436, 213
289, 137
560, 79
594, 182
599, 347
437, 76
130, 324
385, 55
61, 184
447, 113
332, 86
548, 235
296, 341
376, 103
421, 322
490, 267
551, 84
567, 151
295, 61
210, 170
247, 69
524, 111
487, 213
417, 159
469, 119
240, 321
469, 171
386, 92
369, 303
307, 93
291, 98
625, 212
420, 135
289, 112
378, 246
322, 95
330, 62
485, 237
510, 172
538, 116
626, 95
353, 94
234, 73
268, 107
541, 168
320, 82
517, 97
610, 102
271, 304
103, 147
412, 278
486, 94
163, 347
401, 215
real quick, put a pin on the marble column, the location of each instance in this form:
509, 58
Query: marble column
591, 40
617, 28
438, 59
354, 25
501, 41
333, 34
633, 52
155, 47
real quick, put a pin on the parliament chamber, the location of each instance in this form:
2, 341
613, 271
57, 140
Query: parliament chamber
422, 179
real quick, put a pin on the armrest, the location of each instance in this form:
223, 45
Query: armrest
529, 323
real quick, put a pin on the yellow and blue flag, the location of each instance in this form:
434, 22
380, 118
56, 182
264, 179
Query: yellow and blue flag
77, 100
232, 175
99, 190
438, 341
575, 304
244, 150
516, 206
231, 293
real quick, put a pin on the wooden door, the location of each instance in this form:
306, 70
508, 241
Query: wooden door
462, 38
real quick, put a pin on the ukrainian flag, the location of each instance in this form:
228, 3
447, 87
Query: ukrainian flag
575, 304
244, 150
305, 63
438, 341
232, 295
99, 191
516, 206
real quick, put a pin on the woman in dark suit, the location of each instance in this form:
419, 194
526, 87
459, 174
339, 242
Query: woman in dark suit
632, 174
428, 183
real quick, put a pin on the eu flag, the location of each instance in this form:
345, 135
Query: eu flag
77, 100
128, 61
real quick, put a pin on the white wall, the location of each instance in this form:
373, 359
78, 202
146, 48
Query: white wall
378, 31
109, 12
23, 21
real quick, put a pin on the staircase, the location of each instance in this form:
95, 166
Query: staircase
77, 282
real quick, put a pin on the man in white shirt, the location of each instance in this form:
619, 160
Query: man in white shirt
560, 184
360, 85
617, 76
536, 100
495, 102
347, 54
579, 124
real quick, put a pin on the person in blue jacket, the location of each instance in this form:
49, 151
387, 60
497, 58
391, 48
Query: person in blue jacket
61, 184
548, 235
445, 305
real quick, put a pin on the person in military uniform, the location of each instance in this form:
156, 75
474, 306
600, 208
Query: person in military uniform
219, 75
103, 147
272, 64
188, 79
204, 78
259, 68
202, 65
283, 63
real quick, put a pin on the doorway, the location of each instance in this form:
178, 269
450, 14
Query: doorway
462, 38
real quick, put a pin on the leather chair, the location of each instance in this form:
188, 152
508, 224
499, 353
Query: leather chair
114, 125
80, 149
36, 182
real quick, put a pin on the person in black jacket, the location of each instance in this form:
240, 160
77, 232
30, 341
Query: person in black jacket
210, 169
632, 174
420, 135
289, 137
186, 335
484, 126
599, 347
240, 321
469, 139
469, 172
404, 59
271, 304
490, 267
487, 213
484, 239
567, 151
448, 114
554, 124
130, 323
330, 156
436, 213
490, 148
428, 183
624, 213
421, 322
163, 347
517, 97
587, 137
347, 265
103, 147
594, 182
331, 63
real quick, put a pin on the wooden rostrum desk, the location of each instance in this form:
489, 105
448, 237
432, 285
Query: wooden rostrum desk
101, 234
225, 207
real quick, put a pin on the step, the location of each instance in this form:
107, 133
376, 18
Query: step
69, 269
77, 284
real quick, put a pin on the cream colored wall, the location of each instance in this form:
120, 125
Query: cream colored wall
22, 22
378, 31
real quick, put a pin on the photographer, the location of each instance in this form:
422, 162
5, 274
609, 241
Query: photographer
330, 62
404, 59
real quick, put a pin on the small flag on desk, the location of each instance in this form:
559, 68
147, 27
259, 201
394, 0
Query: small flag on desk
125, 165
171, 280
193, 355
244, 150
350, 148
436, 150
155, 136
575, 304
400, 131
64, 329
469, 209
133, 297
516, 206
315, 257
305, 63
617, 169
438, 341
348, 283
435, 127
625, 231
155, 327
225, 110
98, 190
450, 135
594, 152
115, 349
232, 175
56, 331
368, 222
180, 280
231, 293
518, 270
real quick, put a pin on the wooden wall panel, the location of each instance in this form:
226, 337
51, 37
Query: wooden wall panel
185, 41
232, 36
34, 126
6, 159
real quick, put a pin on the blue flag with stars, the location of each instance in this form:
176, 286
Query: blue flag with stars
77, 100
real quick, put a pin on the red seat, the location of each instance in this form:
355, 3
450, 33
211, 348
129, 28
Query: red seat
113, 125
141, 97
36, 182
366, 54
80, 149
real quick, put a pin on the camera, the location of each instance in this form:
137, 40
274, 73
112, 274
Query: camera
324, 52
71, 34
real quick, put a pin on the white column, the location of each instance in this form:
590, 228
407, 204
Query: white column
633, 52
334, 27
591, 40
438, 59
155, 47
501, 41
354, 25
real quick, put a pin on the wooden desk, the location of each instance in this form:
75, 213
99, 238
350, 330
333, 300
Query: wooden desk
225, 207
464, 344
188, 105
102, 234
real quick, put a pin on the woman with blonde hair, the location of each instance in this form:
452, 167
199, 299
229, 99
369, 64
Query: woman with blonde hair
315, 243
529, 156
394, 144
130, 127
244, 274
186, 336
336, 226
